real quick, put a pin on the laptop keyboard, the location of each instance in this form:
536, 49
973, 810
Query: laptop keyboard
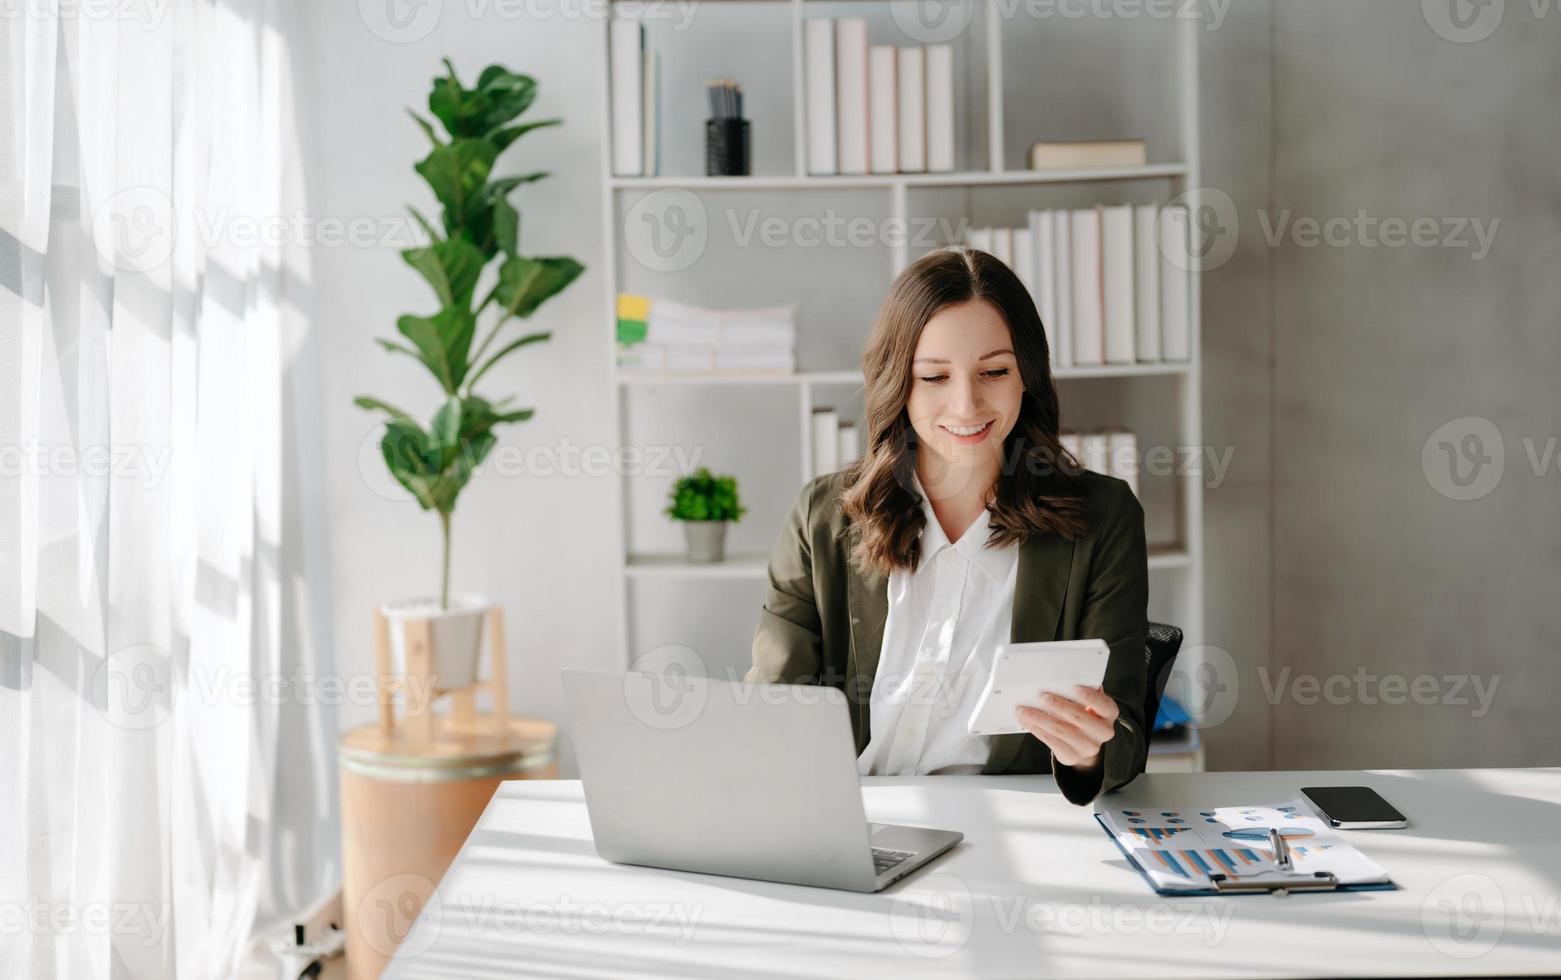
885, 858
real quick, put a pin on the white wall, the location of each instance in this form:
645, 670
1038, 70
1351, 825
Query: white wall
533, 543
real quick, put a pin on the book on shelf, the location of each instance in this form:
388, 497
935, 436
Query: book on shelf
651, 87
875, 108
912, 87
666, 335
1116, 282
1088, 154
1088, 323
1146, 284
1176, 252
836, 443
850, 444
636, 100
1023, 262
627, 42
819, 81
1062, 255
1110, 283
826, 441
1043, 275
851, 94
1113, 452
1003, 245
940, 108
883, 113
1097, 452
1122, 456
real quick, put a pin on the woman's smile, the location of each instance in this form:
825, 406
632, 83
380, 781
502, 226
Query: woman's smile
968, 435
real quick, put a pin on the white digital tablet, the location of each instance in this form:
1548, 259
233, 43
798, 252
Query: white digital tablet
1022, 671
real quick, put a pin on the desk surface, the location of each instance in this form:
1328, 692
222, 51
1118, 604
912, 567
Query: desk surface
1035, 889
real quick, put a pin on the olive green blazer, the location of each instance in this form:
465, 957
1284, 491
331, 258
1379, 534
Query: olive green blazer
823, 621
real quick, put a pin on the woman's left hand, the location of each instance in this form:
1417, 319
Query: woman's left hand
1073, 728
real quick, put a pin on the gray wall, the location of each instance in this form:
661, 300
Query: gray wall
1333, 549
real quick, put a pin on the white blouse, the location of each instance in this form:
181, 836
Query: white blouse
945, 620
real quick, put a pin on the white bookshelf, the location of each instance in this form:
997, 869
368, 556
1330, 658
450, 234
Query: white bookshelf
1174, 389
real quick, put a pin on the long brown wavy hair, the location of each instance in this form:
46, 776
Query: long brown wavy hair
1037, 489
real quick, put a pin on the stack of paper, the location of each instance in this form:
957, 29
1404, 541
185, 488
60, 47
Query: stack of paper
1178, 850
663, 335
875, 108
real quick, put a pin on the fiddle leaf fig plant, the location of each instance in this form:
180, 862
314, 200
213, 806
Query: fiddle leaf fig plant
478, 227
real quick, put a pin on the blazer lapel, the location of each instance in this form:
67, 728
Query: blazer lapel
867, 599
1040, 585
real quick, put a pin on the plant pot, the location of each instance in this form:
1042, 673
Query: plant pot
454, 633
706, 540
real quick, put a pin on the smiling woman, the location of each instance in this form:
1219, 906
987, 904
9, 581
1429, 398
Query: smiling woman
965, 525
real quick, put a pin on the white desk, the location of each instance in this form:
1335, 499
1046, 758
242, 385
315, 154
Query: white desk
1035, 889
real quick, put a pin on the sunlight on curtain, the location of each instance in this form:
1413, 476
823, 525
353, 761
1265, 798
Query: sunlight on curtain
152, 588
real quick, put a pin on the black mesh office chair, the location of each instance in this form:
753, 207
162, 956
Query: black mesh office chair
1160, 654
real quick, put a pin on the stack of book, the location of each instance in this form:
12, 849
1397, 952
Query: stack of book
636, 92
1113, 452
1111, 283
665, 336
836, 443
879, 108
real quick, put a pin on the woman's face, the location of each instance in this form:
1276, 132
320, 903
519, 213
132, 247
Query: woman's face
965, 385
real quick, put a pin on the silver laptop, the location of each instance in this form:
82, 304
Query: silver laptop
728, 778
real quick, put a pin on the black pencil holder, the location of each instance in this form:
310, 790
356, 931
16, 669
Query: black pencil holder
728, 147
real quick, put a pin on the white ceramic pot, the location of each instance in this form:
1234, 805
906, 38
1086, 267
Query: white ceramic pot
706, 540
455, 633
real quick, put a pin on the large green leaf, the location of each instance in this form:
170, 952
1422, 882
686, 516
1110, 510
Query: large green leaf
451, 267
526, 283
495, 226
463, 431
502, 138
447, 431
479, 416
506, 227
396, 348
530, 338
502, 186
428, 228
447, 488
364, 401
426, 126
458, 174
412, 458
500, 96
443, 342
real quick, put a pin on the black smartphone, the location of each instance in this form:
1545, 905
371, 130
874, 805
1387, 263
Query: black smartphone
1353, 807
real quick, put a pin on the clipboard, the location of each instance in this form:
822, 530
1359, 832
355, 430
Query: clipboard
1225, 884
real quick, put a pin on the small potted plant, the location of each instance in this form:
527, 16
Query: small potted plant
705, 504
478, 233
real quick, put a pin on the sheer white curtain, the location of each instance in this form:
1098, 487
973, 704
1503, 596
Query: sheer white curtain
166, 785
